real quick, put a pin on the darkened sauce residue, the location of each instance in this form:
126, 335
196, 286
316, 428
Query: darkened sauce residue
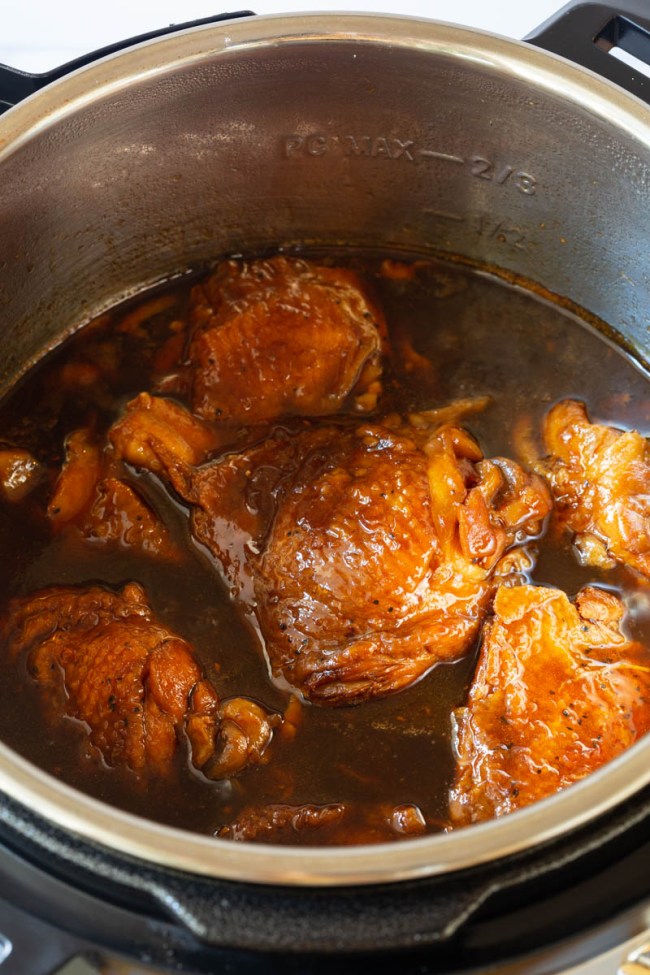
482, 337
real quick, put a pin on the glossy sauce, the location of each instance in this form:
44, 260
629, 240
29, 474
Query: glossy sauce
481, 337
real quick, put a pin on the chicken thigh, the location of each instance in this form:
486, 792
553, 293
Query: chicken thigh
367, 553
282, 337
601, 481
559, 691
102, 658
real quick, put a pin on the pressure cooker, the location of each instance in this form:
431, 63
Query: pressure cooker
236, 135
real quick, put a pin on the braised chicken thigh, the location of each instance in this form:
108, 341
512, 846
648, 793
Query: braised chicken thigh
282, 337
559, 690
102, 658
601, 481
367, 552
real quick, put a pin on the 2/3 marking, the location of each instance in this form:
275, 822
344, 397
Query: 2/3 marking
500, 174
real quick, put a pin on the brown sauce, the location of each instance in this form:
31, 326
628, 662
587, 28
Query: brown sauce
483, 337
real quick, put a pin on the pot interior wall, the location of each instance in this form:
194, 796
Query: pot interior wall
362, 141
399, 136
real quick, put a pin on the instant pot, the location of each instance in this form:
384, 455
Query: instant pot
378, 133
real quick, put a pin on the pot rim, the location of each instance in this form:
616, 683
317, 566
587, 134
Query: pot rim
326, 866
551, 72
430, 856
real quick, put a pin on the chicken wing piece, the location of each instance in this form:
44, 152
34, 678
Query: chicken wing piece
282, 337
558, 691
367, 553
601, 481
102, 658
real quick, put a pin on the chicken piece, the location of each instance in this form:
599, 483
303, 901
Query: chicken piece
102, 658
118, 514
601, 481
377, 564
282, 337
558, 691
78, 479
335, 823
150, 420
241, 729
366, 553
101, 507
280, 822
19, 473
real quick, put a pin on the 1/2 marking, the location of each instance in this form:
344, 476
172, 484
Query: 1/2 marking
504, 232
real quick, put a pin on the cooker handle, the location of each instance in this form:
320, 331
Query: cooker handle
16, 85
586, 32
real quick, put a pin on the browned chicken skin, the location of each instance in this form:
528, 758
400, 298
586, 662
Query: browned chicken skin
119, 514
377, 563
367, 552
341, 822
282, 337
102, 658
105, 661
151, 419
91, 494
557, 693
601, 481
78, 479
272, 823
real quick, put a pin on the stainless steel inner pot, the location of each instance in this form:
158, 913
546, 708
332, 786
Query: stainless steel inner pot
373, 132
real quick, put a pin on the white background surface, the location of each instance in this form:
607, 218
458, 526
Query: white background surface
36, 35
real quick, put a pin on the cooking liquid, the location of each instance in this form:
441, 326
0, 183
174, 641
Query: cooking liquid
481, 337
